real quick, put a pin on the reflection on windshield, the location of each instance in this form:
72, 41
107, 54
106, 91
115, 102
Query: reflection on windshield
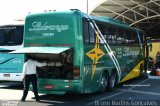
11, 35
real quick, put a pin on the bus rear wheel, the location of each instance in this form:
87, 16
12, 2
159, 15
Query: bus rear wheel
103, 83
112, 81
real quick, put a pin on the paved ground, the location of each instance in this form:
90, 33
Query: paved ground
137, 92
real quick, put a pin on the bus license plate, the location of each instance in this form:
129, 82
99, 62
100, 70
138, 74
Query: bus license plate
6, 75
48, 86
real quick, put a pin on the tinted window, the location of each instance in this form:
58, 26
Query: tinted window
89, 32
11, 35
113, 35
86, 31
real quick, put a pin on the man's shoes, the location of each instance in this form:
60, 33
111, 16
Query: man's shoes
22, 100
37, 100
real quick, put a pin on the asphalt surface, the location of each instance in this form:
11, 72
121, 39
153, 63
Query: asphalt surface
136, 92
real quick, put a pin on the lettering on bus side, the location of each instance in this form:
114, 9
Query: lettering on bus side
128, 51
47, 34
39, 26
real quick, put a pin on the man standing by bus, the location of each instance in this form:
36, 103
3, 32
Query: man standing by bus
29, 75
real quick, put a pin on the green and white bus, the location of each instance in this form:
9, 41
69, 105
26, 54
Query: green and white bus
11, 38
86, 54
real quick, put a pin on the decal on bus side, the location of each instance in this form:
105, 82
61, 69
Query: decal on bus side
95, 54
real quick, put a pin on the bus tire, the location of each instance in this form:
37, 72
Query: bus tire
112, 81
104, 83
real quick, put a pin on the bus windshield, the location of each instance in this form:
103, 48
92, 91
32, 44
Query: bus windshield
11, 35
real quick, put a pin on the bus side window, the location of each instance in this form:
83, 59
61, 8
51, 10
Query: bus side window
91, 33
120, 36
86, 31
128, 38
103, 31
9, 36
18, 35
111, 35
134, 37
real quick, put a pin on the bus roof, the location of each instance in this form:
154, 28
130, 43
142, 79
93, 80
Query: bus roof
76, 12
111, 21
68, 12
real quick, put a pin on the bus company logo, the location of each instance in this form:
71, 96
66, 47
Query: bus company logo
39, 26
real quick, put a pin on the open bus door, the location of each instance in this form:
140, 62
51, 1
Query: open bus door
61, 59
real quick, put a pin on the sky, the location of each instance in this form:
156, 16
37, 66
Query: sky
15, 9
